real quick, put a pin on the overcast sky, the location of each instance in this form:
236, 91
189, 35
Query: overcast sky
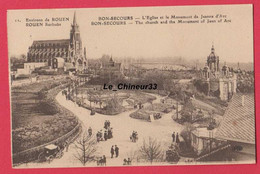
233, 41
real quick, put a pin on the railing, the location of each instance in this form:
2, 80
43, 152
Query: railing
213, 152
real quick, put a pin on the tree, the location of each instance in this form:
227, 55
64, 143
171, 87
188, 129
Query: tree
85, 149
187, 111
18, 59
151, 150
201, 86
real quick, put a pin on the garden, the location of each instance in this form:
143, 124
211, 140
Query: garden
36, 116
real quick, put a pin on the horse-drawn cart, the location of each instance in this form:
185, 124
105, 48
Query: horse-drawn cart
50, 152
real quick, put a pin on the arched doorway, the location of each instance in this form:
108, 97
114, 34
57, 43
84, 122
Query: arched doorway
79, 64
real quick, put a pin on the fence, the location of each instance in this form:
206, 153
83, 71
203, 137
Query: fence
223, 147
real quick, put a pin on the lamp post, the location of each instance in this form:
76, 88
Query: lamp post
210, 140
177, 112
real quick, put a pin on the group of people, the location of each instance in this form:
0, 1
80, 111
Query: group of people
127, 161
107, 124
134, 136
65, 92
108, 130
139, 105
99, 136
114, 151
175, 138
102, 161
108, 133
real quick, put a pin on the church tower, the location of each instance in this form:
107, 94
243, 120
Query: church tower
213, 61
75, 40
76, 55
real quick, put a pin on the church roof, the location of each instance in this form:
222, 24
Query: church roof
212, 55
65, 41
239, 120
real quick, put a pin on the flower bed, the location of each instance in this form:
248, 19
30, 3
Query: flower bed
140, 114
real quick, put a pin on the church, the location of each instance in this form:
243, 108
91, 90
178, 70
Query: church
110, 69
51, 51
221, 82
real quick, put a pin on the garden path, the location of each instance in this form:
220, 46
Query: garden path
123, 125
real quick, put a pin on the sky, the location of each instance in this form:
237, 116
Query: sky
233, 41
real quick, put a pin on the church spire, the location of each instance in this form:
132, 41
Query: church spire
212, 48
74, 25
74, 19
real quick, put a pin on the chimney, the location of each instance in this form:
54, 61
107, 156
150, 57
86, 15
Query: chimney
243, 100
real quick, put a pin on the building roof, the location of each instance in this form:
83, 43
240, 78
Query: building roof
51, 41
204, 132
239, 120
59, 59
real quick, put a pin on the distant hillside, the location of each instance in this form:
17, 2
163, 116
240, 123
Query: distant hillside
196, 63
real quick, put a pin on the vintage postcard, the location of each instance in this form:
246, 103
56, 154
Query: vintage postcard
136, 86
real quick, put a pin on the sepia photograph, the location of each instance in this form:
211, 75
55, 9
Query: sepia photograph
133, 86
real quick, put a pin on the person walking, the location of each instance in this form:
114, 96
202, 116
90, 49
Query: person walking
101, 135
90, 131
117, 151
97, 135
177, 138
112, 151
173, 137
104, 160
109, 134
105, 124
105, 136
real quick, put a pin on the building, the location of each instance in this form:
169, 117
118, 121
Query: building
201, 140
110, 69
238, 128
221, 82
235, 137
69, 49
57, 62
28, 68
111, 65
